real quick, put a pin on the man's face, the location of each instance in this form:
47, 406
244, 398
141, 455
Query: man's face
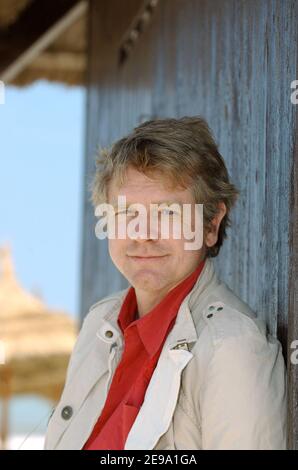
152, 264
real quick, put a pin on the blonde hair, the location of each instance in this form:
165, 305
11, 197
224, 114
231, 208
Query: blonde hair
183, 152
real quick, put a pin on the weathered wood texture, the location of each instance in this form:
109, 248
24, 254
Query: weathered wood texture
231, 61
293, 294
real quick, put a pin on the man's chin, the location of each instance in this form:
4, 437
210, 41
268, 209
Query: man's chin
148, 281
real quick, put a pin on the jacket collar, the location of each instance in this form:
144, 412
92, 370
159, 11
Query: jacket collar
161, 318
184, 329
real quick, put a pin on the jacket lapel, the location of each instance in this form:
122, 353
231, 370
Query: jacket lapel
161, 395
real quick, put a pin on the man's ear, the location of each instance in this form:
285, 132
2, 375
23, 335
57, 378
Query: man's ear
212, 234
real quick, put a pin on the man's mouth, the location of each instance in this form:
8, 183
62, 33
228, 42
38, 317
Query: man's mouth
147, 258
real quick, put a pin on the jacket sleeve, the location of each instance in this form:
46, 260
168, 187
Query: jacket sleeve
79, 350
243, 394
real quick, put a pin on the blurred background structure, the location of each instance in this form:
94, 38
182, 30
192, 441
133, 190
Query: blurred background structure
43, 40
37, 343
231, 61
41, 129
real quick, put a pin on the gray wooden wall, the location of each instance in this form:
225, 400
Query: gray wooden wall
231, 61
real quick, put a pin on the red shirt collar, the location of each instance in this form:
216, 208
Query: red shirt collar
153, 326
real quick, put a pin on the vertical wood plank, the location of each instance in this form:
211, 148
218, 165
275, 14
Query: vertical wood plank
232, 62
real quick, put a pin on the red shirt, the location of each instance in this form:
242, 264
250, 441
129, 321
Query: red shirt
143, 341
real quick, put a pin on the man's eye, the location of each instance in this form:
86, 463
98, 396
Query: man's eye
125, 211
168, 211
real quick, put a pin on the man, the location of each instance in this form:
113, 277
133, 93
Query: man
176, 360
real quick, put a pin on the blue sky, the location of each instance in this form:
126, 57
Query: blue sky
41, 155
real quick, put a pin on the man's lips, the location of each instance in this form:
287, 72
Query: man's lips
146, 258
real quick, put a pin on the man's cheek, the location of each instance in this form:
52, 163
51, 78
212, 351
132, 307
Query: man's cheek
113, 251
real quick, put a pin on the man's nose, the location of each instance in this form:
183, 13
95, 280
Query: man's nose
146, 228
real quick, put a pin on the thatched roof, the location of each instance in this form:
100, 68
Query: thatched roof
37, 342
42, 39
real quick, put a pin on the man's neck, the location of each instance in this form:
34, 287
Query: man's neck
147, 300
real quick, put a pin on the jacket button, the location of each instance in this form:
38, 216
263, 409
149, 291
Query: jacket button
109, 334
219, 308
210, 315
67, 412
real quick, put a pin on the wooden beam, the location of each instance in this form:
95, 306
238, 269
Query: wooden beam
39, 25
68, 61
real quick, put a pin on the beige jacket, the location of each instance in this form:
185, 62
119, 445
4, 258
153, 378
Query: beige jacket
220, 382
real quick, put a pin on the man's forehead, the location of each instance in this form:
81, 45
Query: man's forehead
124, 200
140, 193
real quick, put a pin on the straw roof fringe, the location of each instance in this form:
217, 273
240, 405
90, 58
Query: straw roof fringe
37, 342
64, 60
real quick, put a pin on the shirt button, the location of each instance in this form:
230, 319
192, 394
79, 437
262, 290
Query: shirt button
219, 308
67, 412
211, 307
210, 315
109, 334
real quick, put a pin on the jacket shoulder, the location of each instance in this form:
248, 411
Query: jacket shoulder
225, 321
107, 301
225, 315
109, 298
230, 338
